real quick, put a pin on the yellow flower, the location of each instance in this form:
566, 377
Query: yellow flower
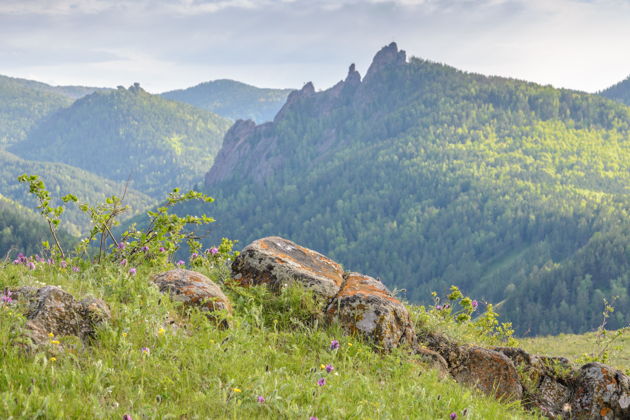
124, 334
236, 390
54, 342
322, 366
53, 359
161, 331
350, 344
51, 335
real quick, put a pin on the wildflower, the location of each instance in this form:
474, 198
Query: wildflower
145, 350
334, 345
453, 416
53, 359
31, 265
447, 306
16, 261
474, 304
323, 366
260, 399
237, 390
329, 368
349, 344
132, 271
145, 248
124, 334
51, 335
122, 245
161, 331
40, 259
123, 262
180, 263
51, 261
54, 342
75, 269
126, 417
214, 250
6, 297
63, 264
313, 418
438, 307
194, 255
162, 249
321, 381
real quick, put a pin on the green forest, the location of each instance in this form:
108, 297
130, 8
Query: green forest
233, 100
426, 176
129, 134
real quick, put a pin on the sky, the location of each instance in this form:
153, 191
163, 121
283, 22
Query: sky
171, 44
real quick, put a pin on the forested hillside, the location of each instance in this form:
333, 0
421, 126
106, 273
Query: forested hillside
234, 100
63, 179
130, 134
619, 92
22, 105
427, 176
21, 230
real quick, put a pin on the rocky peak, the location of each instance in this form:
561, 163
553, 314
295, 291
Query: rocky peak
353, 78
240, 130
307, 90
387, 56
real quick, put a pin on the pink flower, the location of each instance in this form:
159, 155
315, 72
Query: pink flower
63, 264
334, 345
132, 271
180, 263
75, 269
261, 399
321, 381
214, 250
145, 350
31, 265
123, 262
474, 304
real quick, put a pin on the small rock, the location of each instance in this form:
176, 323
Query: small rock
278, 262
364, 305
53, 310
434, 359
490, 371
193, 289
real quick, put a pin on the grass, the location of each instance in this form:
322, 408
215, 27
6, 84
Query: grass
195, 370
575, 346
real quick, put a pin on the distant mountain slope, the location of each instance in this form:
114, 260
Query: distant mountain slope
63, 179
428, 176
234, 100
22, 105
129, 133
21, 230
619, 92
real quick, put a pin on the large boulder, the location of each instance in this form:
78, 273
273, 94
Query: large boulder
193, 289
53, 310
602, 392
365, 306
278, 262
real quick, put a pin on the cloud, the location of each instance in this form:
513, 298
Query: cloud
166, 44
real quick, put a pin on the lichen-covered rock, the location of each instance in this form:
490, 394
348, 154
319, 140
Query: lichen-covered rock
602, 392
365, 306
490, 371
434, 360
277, 262
193, 289
53, 310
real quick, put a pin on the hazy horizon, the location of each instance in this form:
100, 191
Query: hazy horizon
166, 45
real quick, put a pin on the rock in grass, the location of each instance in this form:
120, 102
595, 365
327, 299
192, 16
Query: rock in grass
278, 262
602, 392
365, 306
193, 289
53, 310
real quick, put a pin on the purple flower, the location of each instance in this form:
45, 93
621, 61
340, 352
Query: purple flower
334, 345
162, 249
16, 261
438, 307
447, 306
126, 417
6, 297
453, 416
132, 271
180, 263
194, 255
474, 304
31, 265
321, 381
214, 250
122, 245
51, 261
145, 350
313, 418
329, 368
123, 262
40, 259
261, 399
75, 269
63, 264
145, 248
